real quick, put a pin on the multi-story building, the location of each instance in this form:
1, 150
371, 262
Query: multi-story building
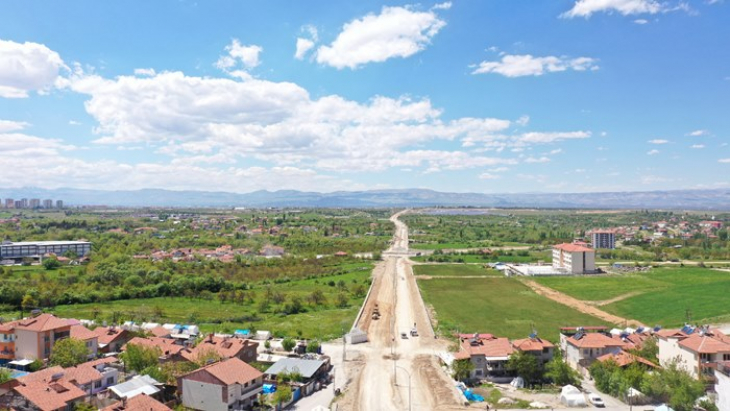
583, 348
17, 204
225, 385
47, 204
59, 204
37, 249
603, 239
574, 258
23, 203
34, 337
35, 203
698, 350
9, 203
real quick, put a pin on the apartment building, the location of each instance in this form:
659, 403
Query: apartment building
574, 258
698, 349
603, 239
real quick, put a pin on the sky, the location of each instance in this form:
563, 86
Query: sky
492, 96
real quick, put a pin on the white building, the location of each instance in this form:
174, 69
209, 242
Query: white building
574, 258
722, 386
697, 350
229, 384
36, 249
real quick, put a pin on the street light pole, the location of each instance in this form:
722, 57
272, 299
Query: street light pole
409, 385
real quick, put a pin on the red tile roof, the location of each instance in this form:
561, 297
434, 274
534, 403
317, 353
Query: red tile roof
494, 347
230, 371
50, 396
141, 402
624, 359
166, 345
159, 331
224, 347
82, 333
595, 340
709, 343
573, 248
532, 344
108, 335
43, 322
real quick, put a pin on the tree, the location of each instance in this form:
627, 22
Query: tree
138, 357
69, 352
526, 366
51, 263
342, 301
673, 385
35, 365
5, 375
461, 369
83, 406
206, 357
313, 346
282, 394
267, 345
28, 302
288, 344
560, 373
649, 350
317, 298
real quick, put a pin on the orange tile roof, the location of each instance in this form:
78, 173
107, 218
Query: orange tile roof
230, 371
40, 376
107, 335
495, 347
141, 402
159, 331
532, 344
166, 345
573, 248
225, 347
50, 396
43, 322
595, 340
710, 343
670, 333
623, 359
80, 332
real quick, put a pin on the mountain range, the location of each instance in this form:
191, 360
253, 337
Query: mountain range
717, 199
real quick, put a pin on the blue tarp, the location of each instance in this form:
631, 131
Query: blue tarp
269, 388
242, 332
470, 395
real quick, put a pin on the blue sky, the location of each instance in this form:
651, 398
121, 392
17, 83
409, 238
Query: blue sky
484, 96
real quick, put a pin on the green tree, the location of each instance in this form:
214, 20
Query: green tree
84, 406
35, 365
313, 346
674, 385
69, 352
526, 366
461, 369
208, 356
51, 263
138, 357
288, 344
649, 350
282, 394
5, 375
560, 373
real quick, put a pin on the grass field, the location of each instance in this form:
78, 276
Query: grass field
501, 306
663, 295
324, 322
472, 258
461, 246
450, 270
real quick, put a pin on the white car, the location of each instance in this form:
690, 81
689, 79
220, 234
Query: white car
596, 400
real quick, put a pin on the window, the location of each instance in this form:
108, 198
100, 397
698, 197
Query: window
110, 381
545, 350
97, 384
726, 357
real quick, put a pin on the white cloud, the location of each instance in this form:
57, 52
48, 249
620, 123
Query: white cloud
74, 123
585, 8
527, 65
658, 141
145, 71
698, 146
641, 21
556, 151
498, 169
698, 133
652, 179
395, 32
544, 138
7, 126
446, 5
248, 56
724, 160
523, 120
488, 176
652, 152
303, 46
26, 67
542, 159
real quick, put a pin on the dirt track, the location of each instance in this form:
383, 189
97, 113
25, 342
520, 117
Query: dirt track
382, 368
579, 305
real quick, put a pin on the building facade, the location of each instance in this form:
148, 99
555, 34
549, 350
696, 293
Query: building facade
574, 258
36, 249
603, 239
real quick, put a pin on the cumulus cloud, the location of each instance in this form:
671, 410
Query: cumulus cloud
698, 133
652, 152
145, 72
658, 141
527, 65
542, 159
724, 160
395, 32
488, 176
247, 56
7, 126
586, 8
26, 67
303, 46
697, 146
641, 21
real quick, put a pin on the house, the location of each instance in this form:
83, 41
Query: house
488, 354
111, 339
308, 369
169, 351
225, 347
89, 338
137, 403
93, 376
138, 385
542, 349
624, 359
698, 349
583, 348
35, 336
7, 342
221, 386
574, 258
53, 394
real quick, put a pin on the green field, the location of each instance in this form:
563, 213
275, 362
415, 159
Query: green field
323, 322
450, 270
501, 306
663, 295
483, 259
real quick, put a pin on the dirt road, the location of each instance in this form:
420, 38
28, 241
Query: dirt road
389, 372
579, 305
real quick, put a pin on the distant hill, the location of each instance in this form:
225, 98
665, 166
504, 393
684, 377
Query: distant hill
674, 199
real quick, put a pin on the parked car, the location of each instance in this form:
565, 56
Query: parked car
596, 400
404, 335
